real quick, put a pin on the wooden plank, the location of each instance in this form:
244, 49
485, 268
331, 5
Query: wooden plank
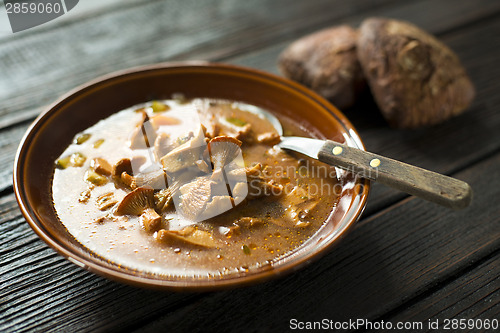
38, 67
83, 9
382, 264
474, 296
415, 147
373, 270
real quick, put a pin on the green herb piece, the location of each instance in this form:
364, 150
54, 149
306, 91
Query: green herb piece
98, 143
95, 178
159, 107
63, 163
236, 121
82, 138
246, 249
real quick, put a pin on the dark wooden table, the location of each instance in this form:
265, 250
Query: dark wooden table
406, 260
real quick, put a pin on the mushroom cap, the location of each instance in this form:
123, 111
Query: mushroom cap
136, 201
223, 150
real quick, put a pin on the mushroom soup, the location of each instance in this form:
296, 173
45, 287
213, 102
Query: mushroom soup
189, 188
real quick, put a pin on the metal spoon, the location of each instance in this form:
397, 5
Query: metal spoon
431, 186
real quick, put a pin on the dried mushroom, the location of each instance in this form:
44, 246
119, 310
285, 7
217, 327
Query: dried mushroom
416, 80
326, 62
188, 235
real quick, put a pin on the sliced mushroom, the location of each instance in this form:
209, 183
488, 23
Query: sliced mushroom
203, 166
136, 202
218, 205
239, 192
163, 144
249, 172
269, 138
150, 220
223, 150
188, 235
185, 155
231, 231
101, 166
85, 196
105, 201
250, 222
157, 179
298, 206
227, 126
257, 186
194, 197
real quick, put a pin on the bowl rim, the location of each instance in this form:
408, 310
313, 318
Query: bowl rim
182, 284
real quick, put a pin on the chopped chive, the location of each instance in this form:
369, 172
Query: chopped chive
159, 107
236, 121
246, 249
82, 138
98, 143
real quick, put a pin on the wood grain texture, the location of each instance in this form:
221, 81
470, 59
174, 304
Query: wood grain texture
472, 296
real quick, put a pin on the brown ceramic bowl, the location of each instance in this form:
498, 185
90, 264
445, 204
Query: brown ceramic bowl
54, 129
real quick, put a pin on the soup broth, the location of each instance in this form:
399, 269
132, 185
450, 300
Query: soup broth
190, 188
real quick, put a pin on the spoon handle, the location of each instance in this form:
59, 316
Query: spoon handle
441, 189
